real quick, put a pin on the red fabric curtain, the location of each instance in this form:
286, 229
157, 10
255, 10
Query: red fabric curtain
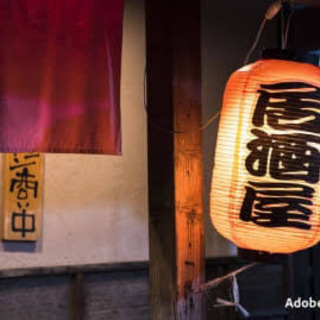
60, 75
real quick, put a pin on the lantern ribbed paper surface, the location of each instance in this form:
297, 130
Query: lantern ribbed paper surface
265, 191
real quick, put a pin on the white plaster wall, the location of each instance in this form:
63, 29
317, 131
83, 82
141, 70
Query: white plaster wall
95, 207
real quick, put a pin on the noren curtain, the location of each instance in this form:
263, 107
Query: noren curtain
60, 75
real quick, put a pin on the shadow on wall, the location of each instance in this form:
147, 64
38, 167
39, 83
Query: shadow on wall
16, 246
228, 31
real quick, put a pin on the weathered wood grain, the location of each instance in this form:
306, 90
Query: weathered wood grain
116, 296
34, 298
175, 159
188, 155
121, 292
160, 161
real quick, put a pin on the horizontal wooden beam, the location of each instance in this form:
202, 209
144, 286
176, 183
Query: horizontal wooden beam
139, 266
85, 268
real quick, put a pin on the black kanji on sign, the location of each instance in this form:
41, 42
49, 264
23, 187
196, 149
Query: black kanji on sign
291, 157
285, 157
23, 183
23, 223
24, 164
277, 205
289, 105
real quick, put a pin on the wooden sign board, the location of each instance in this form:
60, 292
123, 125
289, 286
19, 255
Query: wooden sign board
22, 180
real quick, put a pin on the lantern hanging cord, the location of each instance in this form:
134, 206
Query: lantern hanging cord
286, 35
236, 300
256, 41
213, 283
164, 129
232, 276
271, 12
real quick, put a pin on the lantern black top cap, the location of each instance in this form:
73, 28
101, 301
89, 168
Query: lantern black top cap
291, 55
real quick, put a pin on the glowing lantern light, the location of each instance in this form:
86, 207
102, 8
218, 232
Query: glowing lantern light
265, 187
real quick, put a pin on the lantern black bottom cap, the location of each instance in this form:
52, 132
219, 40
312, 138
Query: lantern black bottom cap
297, 55
262, 256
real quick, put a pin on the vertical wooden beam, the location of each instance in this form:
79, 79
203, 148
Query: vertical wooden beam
305, 264
175, 159
315, 279
302, 283
188, 157
77, 297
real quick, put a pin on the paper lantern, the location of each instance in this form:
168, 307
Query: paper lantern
265, 191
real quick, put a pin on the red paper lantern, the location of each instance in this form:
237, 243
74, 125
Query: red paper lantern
265, 187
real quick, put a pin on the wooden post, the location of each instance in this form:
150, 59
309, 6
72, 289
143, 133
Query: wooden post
175, 159
77, 297
305, 264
